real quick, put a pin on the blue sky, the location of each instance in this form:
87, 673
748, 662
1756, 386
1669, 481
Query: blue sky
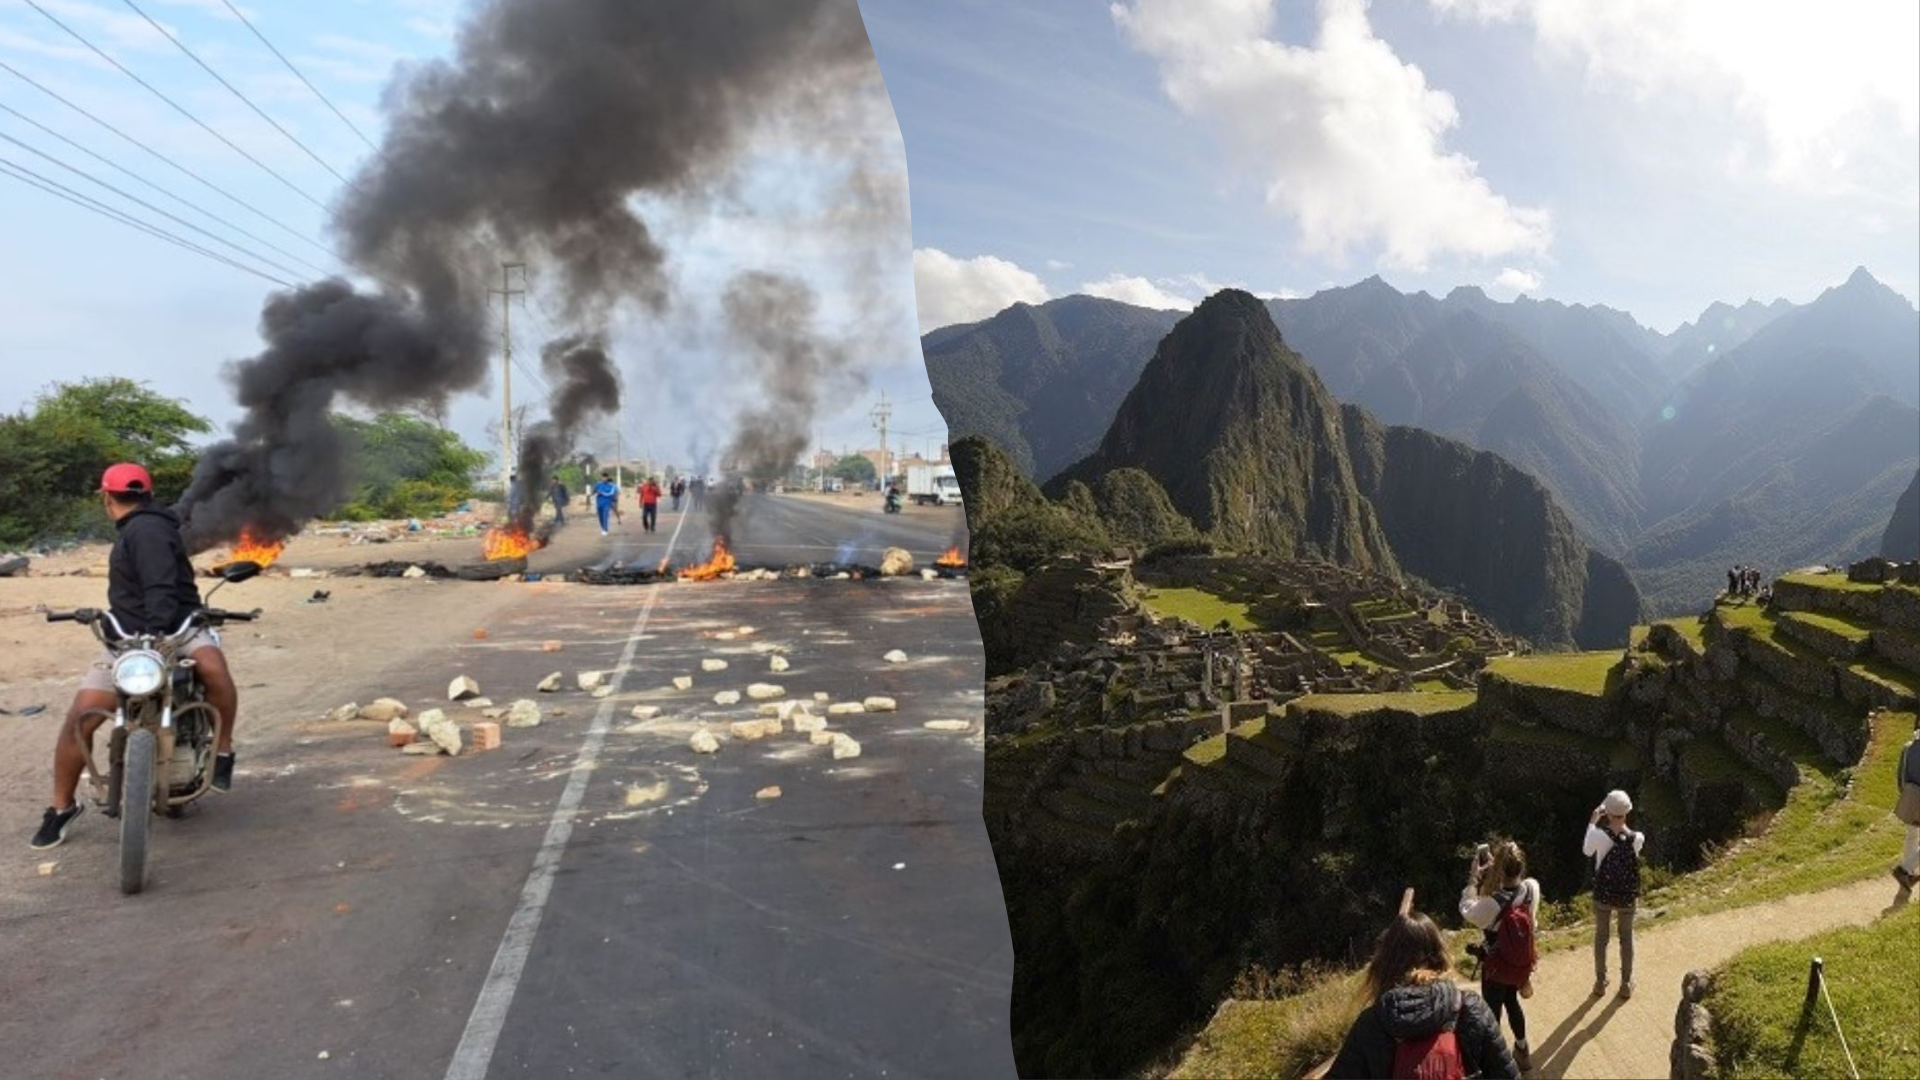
81, 295
1649, 156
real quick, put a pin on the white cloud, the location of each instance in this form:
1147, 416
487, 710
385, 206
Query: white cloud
1517, 281
952, 290
1347, 140
1137, 291
1059, 264
1824, 92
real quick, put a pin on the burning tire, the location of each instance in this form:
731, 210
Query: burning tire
491, 570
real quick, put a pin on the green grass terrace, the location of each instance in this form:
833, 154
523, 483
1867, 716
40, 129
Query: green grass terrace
1590, 673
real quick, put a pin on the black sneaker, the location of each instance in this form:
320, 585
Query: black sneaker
223, 771
53, 827
1906, 880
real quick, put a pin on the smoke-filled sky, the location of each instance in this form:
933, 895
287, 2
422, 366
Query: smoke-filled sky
85, 296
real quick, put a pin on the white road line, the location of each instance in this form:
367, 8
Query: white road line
475, 1052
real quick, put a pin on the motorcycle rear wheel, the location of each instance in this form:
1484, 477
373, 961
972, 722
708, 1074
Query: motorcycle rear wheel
136, 810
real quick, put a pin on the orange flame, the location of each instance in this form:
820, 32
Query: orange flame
512, 542
721, 563
250, 548
951, 558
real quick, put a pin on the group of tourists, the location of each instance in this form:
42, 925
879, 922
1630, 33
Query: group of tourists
1420, 1022
1747, 581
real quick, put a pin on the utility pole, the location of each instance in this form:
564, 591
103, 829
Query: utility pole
881, 414
506, 293
619, 458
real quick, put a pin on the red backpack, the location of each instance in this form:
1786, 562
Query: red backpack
1431, 1057
1511, 955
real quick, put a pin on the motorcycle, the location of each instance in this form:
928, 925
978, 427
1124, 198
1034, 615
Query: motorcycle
160, 753
893, 502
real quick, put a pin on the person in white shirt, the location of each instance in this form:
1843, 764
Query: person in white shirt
1496, 883
1615, 850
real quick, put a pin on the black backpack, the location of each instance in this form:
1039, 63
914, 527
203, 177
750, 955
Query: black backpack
1616, 883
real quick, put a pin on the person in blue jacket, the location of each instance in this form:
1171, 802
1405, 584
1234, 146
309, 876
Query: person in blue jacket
606, 494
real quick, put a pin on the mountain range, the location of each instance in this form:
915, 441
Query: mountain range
1771, 434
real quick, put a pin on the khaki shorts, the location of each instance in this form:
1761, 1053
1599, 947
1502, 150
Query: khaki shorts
99, 676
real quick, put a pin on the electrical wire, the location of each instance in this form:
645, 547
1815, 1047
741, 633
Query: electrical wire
84, 175
176, 106
296, 74
181, 199
52, 187
217, 77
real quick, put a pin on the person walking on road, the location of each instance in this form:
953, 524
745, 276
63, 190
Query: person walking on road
1418, 1021
1504, 903
1615, 850
649, 505
677, 489
560, 495
1907, 809
606, 499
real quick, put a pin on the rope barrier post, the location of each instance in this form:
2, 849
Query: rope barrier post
1814, 975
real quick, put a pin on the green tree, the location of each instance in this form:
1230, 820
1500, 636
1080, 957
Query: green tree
403, 466
52, 454
854, 469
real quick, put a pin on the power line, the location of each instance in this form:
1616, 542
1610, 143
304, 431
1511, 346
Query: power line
296, 74
52, 187
84, 175
181, 199
230, 196
176, 106
235, 91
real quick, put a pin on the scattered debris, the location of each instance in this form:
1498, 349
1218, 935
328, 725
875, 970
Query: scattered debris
413, 572
479, 702
550, 684
777, 663
462, 688
480, 633
703, 742
299, 572
33, 710
683, 682
590, 680
323, 1055
744, 631
47, 868
344, 713
844, 746
749, 730
821, 736
494, 713
15, 565
895, 562
486, 735
727, 697
768, 792
551, 646
761, 691
845, 708
822, 696
711, 664
948, 725
320, 596
928, 573
428, 747
809, 723
895, 656
383, 710
444, 732
400, 732
644, 712
603, 690
524, 713
880, 704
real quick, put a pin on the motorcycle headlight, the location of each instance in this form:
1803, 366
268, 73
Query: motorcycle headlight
138, 674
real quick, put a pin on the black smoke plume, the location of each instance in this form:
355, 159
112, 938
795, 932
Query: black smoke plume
528, 144
585, 385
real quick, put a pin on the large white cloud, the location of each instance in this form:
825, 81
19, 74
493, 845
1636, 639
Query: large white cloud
1514, 281
952, 290
1348, 141
1829, 95
1137, 291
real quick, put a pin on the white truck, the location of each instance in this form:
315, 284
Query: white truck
933, 485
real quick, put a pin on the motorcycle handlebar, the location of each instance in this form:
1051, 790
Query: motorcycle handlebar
79, 615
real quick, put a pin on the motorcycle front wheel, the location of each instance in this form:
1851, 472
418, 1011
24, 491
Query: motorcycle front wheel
136, 809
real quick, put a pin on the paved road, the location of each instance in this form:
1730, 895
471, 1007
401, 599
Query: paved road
591, 899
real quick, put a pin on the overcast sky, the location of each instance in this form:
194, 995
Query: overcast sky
81, 295
1650, 155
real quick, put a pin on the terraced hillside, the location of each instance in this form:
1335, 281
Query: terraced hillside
1154, 874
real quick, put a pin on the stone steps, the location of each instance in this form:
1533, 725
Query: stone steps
1131, 799
1835, 637
1259, 753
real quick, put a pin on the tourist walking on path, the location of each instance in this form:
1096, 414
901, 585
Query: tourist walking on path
1418, 1021
1615, 850
649, 505
606, 498
560, 495
1504, 903
1907, 809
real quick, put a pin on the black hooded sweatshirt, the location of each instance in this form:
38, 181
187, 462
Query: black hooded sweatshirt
1410, 1012
149, 580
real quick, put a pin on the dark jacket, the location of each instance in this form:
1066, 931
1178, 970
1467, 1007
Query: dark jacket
149, 580
1409, 1012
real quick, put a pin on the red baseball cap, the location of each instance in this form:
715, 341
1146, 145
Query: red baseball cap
126, 478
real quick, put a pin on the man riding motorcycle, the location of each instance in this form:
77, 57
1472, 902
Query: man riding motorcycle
150, 588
